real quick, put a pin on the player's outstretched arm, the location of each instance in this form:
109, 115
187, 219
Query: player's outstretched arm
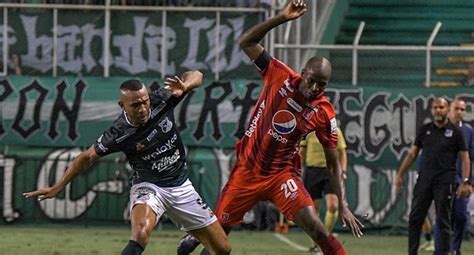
337, 183
187, 82
82, 162
249, 41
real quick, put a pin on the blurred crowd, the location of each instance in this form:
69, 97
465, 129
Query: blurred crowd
219, 3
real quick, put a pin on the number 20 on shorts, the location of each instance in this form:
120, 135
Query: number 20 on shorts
289, 187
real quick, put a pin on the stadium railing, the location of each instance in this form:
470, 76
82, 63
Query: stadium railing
356, 49
293, 43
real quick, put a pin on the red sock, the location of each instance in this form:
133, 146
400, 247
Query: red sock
331, 246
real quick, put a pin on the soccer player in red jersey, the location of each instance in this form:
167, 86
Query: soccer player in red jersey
268, 164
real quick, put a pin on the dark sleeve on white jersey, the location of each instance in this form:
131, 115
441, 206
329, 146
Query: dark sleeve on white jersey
166, 95
106, 144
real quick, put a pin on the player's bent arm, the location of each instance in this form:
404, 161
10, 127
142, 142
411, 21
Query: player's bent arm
82, 162
336, 179
249, 41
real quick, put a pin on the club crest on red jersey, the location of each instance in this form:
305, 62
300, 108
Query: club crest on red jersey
284, 122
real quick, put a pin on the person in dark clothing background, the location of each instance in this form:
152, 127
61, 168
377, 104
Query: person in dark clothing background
442, 142
457, 111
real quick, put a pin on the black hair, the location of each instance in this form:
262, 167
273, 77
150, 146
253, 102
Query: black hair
132, 85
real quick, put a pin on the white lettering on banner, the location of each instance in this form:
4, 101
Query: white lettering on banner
237, 56
11, 36
68, 41
8, 166
62, 208
130, 46
364, 205
195, 27
164, 162
67, 207
154, 44
88, 33
163, 148
253, 123
39, 49
277, 136
131, 56
210, 60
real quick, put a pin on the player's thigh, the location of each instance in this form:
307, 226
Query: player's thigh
187, 209
235, 201
146, 203
212, 236
288, 194
143, 220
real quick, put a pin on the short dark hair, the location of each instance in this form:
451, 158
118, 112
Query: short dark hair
133, 85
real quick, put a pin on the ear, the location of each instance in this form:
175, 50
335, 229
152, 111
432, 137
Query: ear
302, 71
120, 104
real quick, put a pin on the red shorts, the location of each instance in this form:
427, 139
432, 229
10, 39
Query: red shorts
244, 189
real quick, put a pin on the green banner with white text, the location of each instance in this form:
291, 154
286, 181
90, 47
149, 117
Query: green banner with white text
141, 43
46, 121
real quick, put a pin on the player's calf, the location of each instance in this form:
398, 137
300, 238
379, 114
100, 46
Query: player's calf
331, 245
187, 244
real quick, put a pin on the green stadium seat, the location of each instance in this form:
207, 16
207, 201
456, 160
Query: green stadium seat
405, 22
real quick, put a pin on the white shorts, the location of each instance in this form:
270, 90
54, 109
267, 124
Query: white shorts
182, 204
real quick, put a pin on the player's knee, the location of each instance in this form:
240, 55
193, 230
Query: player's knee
332, 208
141, 234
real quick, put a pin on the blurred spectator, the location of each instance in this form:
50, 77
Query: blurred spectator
13, 64
468, 80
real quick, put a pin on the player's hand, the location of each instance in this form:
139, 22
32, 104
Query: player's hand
175, 85
349, 219
43, 194
294, 9
464, 190
399, 183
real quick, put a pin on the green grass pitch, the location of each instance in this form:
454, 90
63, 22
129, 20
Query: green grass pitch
57, 240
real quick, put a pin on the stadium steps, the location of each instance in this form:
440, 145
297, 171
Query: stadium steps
405, 22
451, 71
460, 59
445, 84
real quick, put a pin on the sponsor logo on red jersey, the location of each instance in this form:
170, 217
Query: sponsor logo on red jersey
284, 122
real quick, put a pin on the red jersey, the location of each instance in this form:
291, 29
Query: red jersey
281, 118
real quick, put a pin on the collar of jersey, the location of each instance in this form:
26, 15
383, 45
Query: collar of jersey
130, 123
